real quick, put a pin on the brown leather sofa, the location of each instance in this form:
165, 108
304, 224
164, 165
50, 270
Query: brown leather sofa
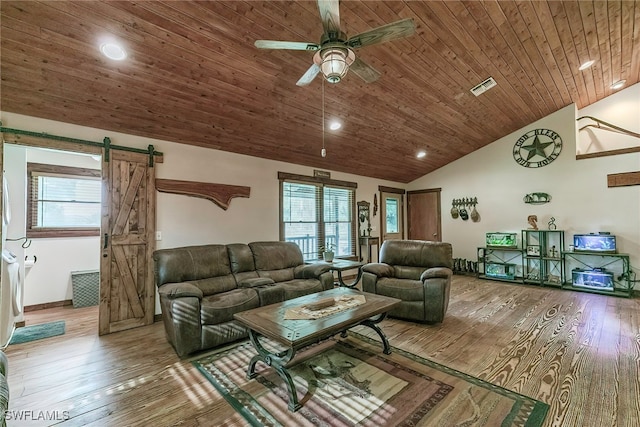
417, 272
201, 287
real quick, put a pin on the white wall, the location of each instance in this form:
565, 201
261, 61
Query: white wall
190, 221
49, 279
581, 201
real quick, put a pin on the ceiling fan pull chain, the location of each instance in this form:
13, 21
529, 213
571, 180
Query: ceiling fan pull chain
324, 151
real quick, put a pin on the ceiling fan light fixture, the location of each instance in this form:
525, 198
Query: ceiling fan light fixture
334, 62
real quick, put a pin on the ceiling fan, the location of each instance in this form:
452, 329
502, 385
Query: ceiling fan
334, 55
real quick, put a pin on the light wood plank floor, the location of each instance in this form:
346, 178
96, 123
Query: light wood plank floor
578, 352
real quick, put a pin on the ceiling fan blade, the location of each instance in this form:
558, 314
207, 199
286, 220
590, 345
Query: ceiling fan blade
330, 15
274, 44
308, 77
382, 34
365, 71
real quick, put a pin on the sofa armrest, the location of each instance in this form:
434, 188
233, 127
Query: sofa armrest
309, 271
379, 269
255, 282
436, 273
180, 290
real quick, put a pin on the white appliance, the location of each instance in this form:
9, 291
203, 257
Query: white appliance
10, 296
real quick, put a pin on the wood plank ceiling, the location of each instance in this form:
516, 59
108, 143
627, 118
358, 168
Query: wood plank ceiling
193, 75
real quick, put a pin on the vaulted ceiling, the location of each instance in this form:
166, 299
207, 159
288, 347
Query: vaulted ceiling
194, 76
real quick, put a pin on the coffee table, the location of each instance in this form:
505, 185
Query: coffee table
269, 322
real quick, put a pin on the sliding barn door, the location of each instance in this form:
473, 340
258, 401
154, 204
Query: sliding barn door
128, 227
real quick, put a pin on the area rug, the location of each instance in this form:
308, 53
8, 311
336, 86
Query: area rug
348, 382
37, 332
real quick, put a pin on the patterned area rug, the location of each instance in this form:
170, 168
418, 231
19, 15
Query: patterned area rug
37, 332
348, 382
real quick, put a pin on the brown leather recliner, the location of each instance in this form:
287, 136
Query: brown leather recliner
415, 271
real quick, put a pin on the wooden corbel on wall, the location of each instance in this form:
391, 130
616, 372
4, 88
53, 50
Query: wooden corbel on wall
220, 194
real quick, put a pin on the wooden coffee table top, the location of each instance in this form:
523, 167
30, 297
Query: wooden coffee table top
269, 320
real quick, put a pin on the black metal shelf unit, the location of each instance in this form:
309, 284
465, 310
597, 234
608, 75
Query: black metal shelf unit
542, 263
597, 272
503, 264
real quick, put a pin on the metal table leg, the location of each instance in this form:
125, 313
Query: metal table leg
277, 361
373, 324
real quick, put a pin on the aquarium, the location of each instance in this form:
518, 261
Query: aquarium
500, 270
605, 243
598, 278
501, 240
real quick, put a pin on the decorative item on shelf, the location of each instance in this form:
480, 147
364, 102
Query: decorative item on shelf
459, 208
364, 223
533, 250
553, 252
327, 252
533, 220
552, 278
552, 223
375, 204
537, 198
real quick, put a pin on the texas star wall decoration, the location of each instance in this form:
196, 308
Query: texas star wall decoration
537, 148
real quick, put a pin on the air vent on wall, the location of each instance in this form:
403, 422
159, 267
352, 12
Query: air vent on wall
484, 86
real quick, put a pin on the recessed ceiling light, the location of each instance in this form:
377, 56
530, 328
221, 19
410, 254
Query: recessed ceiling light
335, 125
618, 84
113, 51
586, 65
421, 154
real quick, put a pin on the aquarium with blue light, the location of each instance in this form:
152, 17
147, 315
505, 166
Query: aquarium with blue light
598, 278
605, 243
501, 240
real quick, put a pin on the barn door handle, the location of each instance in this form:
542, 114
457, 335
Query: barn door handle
106, 241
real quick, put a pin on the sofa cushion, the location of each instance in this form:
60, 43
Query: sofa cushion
269, 256
281, 275
191, 263
417, 253
407, 272
240, 258
221, 307
299, 287
255, 282
404, 289
216, 285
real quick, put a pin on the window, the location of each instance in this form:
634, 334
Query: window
392, 215
317, 212
62, 201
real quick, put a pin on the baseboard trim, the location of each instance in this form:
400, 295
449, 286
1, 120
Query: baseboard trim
53, 304
157, 317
